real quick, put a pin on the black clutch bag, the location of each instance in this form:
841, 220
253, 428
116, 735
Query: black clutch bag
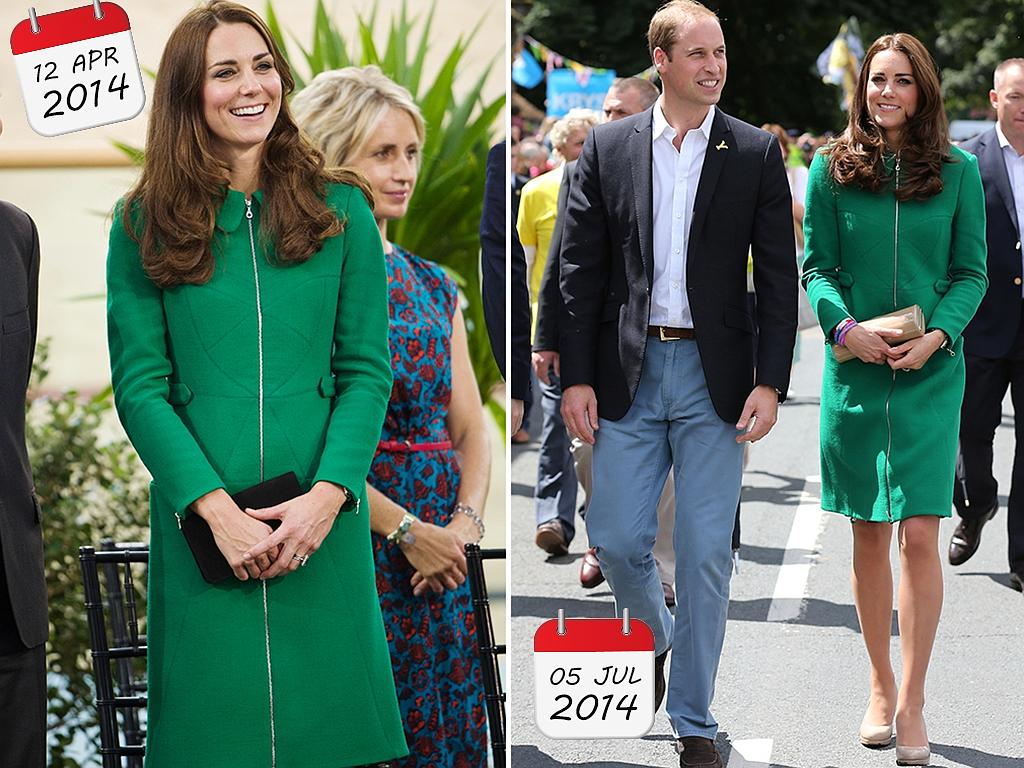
212, 563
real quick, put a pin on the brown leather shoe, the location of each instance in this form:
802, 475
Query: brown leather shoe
590, 570
698, 752
670, 594
967, 536
551, 538
659, 679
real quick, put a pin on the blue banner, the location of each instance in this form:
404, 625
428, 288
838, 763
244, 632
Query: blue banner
526, 72
568, 89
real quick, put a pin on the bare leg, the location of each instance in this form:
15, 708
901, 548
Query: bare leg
920, 603
872, 593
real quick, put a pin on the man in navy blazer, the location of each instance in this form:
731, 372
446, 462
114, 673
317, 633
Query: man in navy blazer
657, 344
23, 621
994, 339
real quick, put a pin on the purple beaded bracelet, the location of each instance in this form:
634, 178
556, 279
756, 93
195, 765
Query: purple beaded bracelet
842, 329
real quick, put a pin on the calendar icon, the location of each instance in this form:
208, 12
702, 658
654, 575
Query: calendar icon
594, 678
77, 68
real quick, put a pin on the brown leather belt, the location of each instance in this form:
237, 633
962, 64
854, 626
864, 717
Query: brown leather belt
665, 333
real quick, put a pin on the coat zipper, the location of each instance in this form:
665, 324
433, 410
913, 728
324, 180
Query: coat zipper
892, 385
259, 347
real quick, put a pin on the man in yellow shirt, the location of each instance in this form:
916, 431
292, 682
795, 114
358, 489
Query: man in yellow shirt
555, 494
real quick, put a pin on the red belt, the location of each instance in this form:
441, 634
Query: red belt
405, 446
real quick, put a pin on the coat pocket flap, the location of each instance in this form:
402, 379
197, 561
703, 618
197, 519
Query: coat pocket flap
327, 386
844, 278
179, 394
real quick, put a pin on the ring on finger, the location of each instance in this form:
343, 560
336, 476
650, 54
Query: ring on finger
303, 559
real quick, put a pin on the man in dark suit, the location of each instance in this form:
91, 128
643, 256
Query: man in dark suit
657, 353
994, 340
492, 268
492, 251
23, 622
626, 96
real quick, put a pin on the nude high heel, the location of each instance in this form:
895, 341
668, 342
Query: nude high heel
875, 735
913, 755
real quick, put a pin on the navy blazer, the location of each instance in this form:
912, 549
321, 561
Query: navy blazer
742, 203
21, 553
994, 328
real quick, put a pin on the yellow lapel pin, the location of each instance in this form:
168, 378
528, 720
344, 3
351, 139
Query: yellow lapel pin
722, 145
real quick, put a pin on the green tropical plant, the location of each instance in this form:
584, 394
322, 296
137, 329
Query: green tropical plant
444, 216
89, 488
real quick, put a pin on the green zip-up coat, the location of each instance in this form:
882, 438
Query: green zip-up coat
262, 370
888, 438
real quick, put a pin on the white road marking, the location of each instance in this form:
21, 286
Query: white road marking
750, 753
801, 553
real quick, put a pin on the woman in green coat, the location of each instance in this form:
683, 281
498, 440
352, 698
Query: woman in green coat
894, 217
247, 320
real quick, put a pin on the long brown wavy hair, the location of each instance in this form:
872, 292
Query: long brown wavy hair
856, 158
183, 182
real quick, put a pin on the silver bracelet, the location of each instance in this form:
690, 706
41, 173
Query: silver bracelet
471, 513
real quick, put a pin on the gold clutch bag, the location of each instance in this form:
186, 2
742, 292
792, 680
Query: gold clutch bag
910, 320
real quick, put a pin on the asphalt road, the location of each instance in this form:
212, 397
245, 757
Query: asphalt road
793, 679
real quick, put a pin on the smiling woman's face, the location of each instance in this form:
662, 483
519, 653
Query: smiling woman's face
241, 89
891, 94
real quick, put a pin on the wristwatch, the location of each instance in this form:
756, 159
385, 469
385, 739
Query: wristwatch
947, 343
401, 535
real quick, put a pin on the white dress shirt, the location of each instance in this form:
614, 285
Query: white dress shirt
675, 176
1015, 170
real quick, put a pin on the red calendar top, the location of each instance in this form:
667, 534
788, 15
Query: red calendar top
71, 26
593, 635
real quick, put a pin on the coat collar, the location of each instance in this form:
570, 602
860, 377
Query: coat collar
641, 157
714, 161
232, 210
993, 171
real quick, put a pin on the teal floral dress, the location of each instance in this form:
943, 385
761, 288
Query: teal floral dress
432, 637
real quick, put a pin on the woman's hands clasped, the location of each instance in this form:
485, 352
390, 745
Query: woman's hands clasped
235, 533
438, 556
870, 347
915, 353
305, 522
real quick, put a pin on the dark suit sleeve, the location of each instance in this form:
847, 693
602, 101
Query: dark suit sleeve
586, 263
549, 302
775, 275
520, 341
33, 292
492, 252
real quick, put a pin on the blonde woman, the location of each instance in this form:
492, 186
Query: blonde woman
428, 479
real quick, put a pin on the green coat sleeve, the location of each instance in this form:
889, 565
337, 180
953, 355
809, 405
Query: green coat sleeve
140, 367
968, 258
821, 248
360, 361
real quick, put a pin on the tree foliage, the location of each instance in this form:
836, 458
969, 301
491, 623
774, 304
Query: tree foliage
773, 47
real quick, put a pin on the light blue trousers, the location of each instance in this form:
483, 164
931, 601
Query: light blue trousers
671, 423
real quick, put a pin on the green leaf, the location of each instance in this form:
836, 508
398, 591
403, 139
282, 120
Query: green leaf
134, 153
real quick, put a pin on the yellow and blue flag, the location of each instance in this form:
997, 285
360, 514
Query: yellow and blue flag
839, 63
